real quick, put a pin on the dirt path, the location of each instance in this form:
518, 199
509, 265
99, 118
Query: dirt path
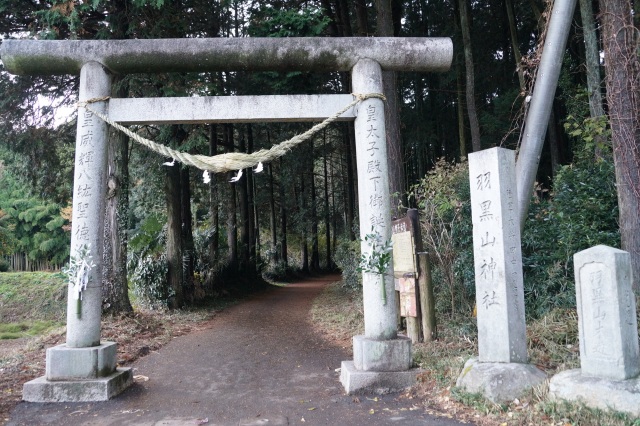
258, 363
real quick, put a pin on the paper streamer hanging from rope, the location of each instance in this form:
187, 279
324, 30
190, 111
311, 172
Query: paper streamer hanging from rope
230, 161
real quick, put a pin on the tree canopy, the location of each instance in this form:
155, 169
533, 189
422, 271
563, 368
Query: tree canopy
301, 208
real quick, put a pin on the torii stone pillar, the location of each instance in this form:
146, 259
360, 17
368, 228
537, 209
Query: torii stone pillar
84, 368
381, 359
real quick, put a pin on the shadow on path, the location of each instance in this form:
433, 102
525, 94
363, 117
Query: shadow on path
258, 363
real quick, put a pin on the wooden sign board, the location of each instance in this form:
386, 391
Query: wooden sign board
404, 249
404, 265
408, 299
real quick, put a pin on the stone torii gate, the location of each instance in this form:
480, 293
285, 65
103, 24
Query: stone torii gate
84, 368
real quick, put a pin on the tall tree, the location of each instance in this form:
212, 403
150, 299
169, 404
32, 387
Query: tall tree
174, 236
472, 112
623, 98
592, 58
385, 28
115, 289
214, 216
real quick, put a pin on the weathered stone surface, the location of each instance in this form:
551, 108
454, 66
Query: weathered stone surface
497, 257
64, 363
90, 174
229, 109
596, 392
382, 355
499, 382
100, 389
42, 57
357, 381
606, 313
380, 320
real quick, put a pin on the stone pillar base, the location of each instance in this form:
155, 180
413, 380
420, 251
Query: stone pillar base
499, 382
356, 381
382, 355
597, 392
65, 363
97, 389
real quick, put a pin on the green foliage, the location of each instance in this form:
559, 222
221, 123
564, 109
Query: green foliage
581, 212
7, 239
347, 257
31, 225
4, 265
147, 263
278, 271
149, 278
378, 259
25, 329
295, 22
443, 196
150, 236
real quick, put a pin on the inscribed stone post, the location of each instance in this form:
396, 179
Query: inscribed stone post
497, 257
83, 319
373, 195
607, 313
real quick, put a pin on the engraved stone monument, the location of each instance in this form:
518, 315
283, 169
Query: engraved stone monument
502, 344
609, 359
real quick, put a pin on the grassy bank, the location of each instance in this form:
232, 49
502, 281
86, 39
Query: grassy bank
553, 347
31, 303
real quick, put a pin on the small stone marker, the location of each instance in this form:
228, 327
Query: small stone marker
497, 257
500, 372
609, 360
607, 313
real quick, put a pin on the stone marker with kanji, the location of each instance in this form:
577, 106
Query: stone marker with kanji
608, 377
500, 372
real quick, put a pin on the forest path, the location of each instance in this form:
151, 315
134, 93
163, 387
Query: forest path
257, 363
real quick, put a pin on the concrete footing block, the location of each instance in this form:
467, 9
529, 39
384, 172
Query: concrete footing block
597, 392
358, 381
382, 355
65, 363
91, 390
499, 382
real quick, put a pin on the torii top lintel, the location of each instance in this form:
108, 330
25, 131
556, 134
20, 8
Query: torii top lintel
46, 57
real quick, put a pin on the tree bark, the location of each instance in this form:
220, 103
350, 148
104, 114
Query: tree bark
214, 219
243, 203
515, 45
284, 255
462, 138
592, 58
623, 98
327, 217
352, 182
472, 112
362, 18
304, 243
313, 215
232, 236
253, 217
384, 28
272, 219
115, 289
188, 245
174, 236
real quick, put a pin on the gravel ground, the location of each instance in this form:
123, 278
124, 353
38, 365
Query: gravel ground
256, 363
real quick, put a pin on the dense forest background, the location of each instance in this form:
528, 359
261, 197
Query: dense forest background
177, 240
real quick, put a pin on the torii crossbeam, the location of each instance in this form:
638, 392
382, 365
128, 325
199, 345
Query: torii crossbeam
84, 368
